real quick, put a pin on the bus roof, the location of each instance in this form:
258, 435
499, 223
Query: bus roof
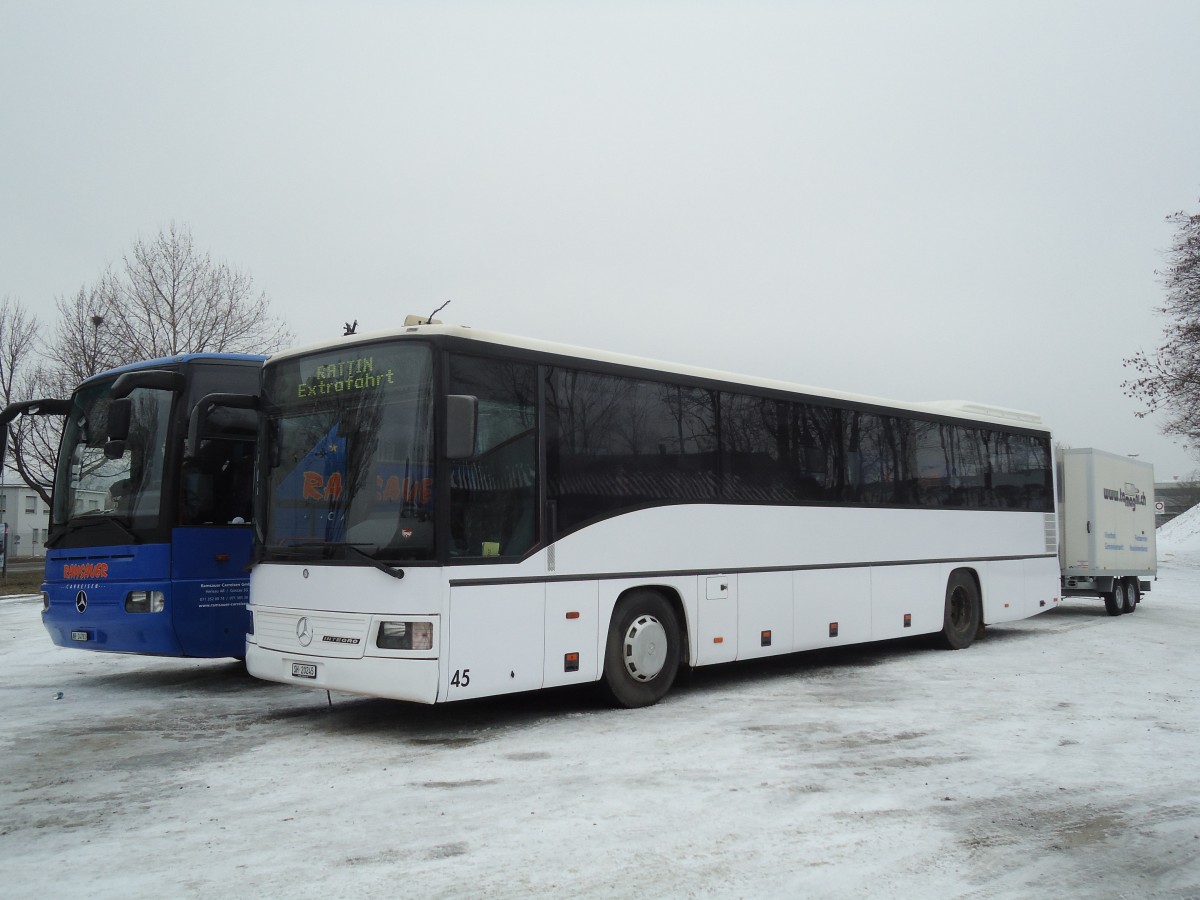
173, 360
942, 408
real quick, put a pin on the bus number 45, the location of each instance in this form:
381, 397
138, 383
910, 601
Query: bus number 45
461, 678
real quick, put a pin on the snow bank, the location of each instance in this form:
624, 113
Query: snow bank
1179, 540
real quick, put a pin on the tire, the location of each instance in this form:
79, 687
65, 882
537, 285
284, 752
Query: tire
641, 656
1133, 596
1114, 600
963, 616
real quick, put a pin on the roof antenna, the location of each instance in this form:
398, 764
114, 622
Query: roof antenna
351, 328
429, 318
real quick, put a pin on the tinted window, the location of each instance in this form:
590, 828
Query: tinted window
616, 443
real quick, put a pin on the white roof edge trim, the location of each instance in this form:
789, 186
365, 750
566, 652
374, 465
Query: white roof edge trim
952, 408
967, 408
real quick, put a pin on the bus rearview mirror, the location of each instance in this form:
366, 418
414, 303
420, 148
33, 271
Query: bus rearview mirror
120, 414
462, 416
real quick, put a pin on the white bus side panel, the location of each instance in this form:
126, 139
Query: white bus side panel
572, 623
495, 643
766, 614
715, 538
918, 592
1041, 585
829, 597
1003, 585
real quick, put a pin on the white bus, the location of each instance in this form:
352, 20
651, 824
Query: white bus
445, 513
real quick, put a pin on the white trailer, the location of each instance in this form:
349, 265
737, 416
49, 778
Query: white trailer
1106, 544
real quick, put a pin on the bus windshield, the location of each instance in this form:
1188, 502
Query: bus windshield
127, 491
348, 457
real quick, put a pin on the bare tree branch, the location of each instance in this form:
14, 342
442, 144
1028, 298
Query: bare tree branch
165, 298
1168, 380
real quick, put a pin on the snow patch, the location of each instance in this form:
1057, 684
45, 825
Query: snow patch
1179, 540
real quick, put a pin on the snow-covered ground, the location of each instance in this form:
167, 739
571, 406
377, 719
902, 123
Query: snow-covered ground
1059, 757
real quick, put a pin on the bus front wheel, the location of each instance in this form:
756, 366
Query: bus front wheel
642, 654
963, 613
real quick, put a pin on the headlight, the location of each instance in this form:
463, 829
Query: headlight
144, 601
45, 601
405, 636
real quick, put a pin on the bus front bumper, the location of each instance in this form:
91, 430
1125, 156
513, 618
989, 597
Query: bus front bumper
415, 680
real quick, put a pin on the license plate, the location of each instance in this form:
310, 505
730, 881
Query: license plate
79, 635
304, 670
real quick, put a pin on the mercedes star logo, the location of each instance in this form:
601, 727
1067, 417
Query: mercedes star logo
304, 632
81, 601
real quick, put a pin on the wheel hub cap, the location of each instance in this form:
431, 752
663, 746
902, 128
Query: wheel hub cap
645, 648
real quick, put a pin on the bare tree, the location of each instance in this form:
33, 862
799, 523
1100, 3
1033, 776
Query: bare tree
166, 298
172, 298
81, 346
19, 380
1168, 380
18, 328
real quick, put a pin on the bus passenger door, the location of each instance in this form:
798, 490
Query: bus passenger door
717, 622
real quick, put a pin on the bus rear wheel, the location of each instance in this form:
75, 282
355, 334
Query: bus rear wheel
1114, 600
642, 654
963, 614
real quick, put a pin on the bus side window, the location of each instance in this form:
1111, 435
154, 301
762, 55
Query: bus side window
493, 508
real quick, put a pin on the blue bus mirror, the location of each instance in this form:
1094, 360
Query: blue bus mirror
228, 416
150, 379
120, 414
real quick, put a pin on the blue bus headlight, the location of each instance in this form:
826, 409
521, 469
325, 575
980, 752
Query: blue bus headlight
144, 602
405, 636
45, 601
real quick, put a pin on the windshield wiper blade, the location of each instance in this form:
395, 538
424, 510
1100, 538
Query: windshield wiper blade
335, 545
379, 564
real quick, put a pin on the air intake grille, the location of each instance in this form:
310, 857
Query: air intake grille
1051, 524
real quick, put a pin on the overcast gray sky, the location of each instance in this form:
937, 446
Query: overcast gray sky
912, 199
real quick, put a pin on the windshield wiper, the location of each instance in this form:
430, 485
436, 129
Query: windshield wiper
333, 545
379, 564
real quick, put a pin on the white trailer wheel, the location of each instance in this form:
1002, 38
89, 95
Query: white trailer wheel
1131, 595
1114, 600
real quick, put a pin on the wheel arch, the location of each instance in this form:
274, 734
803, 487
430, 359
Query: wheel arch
973, 574
672, 596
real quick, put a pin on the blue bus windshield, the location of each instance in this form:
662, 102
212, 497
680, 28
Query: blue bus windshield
128, 489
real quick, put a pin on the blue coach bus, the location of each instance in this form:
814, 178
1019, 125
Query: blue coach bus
150, 539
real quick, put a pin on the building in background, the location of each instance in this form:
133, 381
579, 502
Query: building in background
26, 516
